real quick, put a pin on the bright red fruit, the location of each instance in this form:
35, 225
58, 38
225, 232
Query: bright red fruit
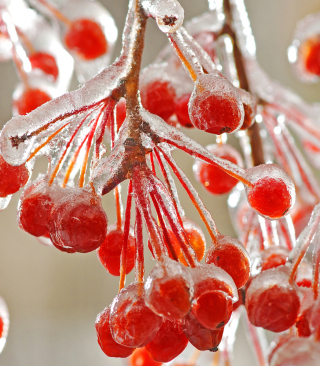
302, 323
311, 55
212, 177
78, 221
200, 337
133, 323
169, 342
230, 255
86, 38
158, 98
273, 257
215, 106
272, 193
182, 111
271, 302
141, 357
109, 252
12, 177
35, 208
169, 289
105, 339
29, 100
1, 327
44, 62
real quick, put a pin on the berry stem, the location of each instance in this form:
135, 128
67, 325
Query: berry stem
139, 260
303, 242
164, 228
203, 212
56, 169
56, 12
123, 259
89, 143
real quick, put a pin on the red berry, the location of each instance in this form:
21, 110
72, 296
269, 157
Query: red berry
311, 55
78, 221
158, 98
141, 357
213, 296
44, 62
212, 177
169, 289
182, 111
133, 323
29, 100
1, 327
86, 38
271, 302
168, 343
272, 194
109, 252
215, 106
35, 208
273, 257
12, 177
230, 255
302, 323
196, 239
200, 337
105, 339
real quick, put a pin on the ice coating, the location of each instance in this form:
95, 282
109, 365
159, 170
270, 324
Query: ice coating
133, 324
297, 352
272, 193
169, 289
176, 138
168, 14
250, 108
271, 301
22, 133
4, 318
215, 105
306, 36
304, 239
204, 273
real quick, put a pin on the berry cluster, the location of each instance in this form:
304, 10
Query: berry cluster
207, 79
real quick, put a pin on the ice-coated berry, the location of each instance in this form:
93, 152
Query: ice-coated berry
169, 289
78, 221
158, 98
182, 111
229, 254
12, 177
133, 323
86, 38
29, 100
168, 343
310, 51
44, 62
109, 252
215, 106
108, 345
271, 302
212, 177
200, 337
272, 193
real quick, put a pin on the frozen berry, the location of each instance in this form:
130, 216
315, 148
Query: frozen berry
44, 62
29, 100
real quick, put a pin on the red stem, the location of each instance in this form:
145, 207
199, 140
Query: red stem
139, 260
123, 260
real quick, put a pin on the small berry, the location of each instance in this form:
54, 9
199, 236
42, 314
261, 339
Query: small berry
30, 100
86, 38
311, 55
44, 62
141, 357
182, 111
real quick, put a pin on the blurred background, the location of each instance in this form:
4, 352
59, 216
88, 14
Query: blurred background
54, 297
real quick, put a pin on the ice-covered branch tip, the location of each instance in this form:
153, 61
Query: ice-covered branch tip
168, 14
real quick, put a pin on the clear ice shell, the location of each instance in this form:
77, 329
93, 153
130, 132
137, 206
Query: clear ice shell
29, 129
271, 171
297, 352
168, 14
4, 315
167, 270
307, 28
